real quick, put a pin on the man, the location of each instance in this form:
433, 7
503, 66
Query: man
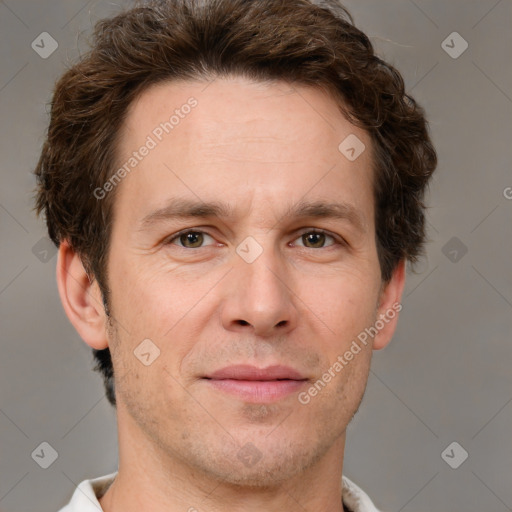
235, 188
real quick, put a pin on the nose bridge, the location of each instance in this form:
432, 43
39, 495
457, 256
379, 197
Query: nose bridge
260, 295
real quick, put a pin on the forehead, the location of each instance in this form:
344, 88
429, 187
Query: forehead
238, 105
261, 140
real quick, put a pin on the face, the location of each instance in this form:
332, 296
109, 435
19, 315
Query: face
221, 256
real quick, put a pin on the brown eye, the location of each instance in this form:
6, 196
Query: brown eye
195, 239
315, 239
189, 239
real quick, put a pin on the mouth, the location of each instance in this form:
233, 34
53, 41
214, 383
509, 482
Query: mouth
253, 384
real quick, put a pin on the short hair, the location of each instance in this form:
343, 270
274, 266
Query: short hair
303, 42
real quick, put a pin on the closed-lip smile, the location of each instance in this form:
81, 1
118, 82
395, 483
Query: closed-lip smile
253, 384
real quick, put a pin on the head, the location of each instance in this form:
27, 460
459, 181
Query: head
242, 109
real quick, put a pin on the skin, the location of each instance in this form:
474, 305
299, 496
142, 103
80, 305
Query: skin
261, 148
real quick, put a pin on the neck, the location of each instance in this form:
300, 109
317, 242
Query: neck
149, 478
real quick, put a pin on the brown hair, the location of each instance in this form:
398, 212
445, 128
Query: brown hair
308, 42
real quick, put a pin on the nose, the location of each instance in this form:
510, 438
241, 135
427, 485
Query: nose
259, 297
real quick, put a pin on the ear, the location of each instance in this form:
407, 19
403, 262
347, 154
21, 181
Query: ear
81, 298
389, 307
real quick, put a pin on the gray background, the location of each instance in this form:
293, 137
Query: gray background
446, 375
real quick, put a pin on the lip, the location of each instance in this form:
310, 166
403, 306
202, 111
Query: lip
257, 385
248, 372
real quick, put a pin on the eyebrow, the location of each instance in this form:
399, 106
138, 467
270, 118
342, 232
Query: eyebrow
180, 208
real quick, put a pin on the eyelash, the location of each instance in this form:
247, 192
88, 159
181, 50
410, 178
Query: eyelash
337, 240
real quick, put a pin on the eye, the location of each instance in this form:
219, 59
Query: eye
194, 239
315, 239
190, 239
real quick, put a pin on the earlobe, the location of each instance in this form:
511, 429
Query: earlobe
389, 307
81, 298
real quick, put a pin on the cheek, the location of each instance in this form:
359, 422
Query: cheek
159, 306
344, 303
146, 300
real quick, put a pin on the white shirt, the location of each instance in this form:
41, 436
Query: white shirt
86, 495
